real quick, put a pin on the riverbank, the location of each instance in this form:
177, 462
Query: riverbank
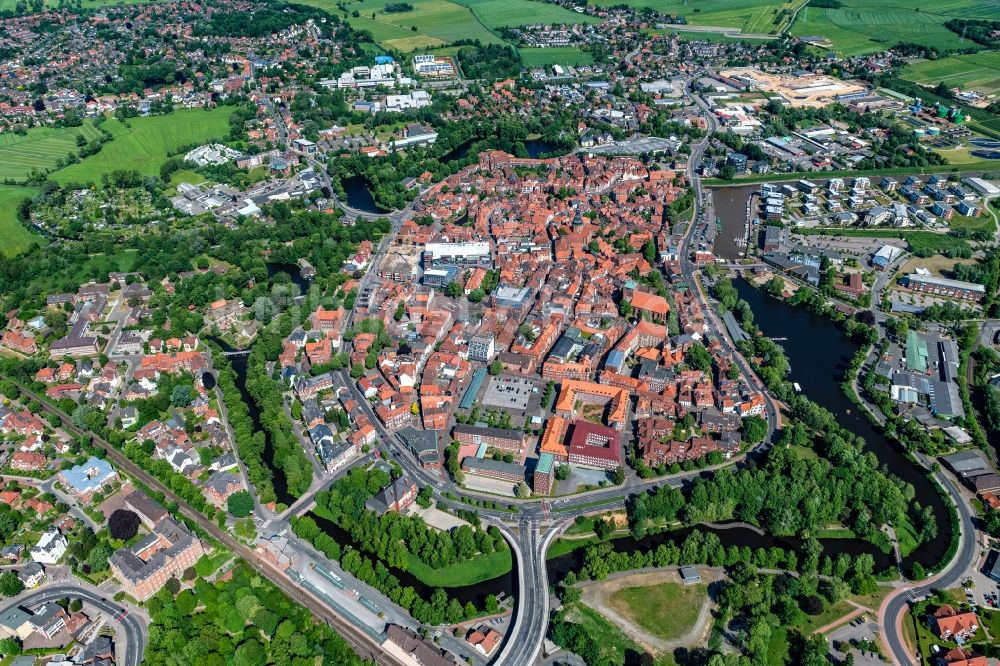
820, 357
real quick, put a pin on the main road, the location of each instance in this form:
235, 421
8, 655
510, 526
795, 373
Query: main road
135, 631
359, 641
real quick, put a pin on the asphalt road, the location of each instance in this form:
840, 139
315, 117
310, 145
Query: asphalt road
135, 631
965, 558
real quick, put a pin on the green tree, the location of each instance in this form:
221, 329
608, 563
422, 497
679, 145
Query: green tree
495, 367
10, 584
180, 396
10, 647
753, 429
240, 504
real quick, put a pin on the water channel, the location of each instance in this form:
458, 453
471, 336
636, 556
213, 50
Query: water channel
239, 365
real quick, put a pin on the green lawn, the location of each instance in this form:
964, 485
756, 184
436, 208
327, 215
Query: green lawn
499, 13
667, 610
978, 71
863, 26
559, 55
778, 653
830, 613
14, 237
563, 546
479, 568
144, 144
39, 149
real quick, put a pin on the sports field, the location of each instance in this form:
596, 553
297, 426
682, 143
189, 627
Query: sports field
440, 22
976, 71
13, 236
145, 143
39, 149
862, 26
559, 55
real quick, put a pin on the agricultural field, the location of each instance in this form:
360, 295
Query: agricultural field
559, 55
756, 16
439, 22
500, 13
863, 26
39, 149
14, 238
975, 71
144, 144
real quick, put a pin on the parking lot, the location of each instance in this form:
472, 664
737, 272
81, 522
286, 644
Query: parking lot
852, 637
507, 392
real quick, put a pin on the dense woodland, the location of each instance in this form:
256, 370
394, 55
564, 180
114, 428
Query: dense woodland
245, 621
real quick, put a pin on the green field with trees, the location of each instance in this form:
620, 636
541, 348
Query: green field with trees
431, 23
16, 238
667, 610
556, 55
144, 144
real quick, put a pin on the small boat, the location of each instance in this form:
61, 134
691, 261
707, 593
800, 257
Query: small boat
797, 387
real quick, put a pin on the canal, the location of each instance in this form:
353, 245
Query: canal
819, 355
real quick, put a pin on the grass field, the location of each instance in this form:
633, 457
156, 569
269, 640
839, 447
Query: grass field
748, 15
862, 26
439, 22
39, 149
559, 55
976, 71
146, 143
14, 238
480, 568
666, 610
613, 642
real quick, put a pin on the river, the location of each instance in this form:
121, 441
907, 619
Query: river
819, 355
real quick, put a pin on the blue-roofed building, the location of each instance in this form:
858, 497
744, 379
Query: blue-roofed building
616, 361
92, 476
470, 393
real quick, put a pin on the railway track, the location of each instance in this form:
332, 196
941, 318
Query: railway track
364, 646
